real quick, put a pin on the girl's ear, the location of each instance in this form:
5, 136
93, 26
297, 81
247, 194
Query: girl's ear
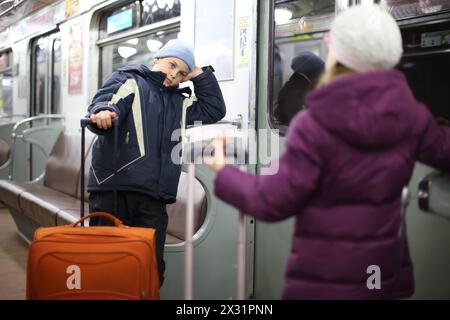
331, 61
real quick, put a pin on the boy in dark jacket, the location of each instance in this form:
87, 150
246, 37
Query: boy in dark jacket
148, 104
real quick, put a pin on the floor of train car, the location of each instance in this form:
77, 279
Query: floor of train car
13, 259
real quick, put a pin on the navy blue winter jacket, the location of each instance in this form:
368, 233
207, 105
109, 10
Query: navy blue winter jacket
148, 114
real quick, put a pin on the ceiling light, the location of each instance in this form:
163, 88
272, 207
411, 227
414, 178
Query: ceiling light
282, 15
154, 45
126, 52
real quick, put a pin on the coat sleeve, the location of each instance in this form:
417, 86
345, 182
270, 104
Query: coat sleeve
275, 197
116, 94
209, 106
434, 148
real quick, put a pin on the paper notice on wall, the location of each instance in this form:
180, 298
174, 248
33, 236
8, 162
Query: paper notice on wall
243, 49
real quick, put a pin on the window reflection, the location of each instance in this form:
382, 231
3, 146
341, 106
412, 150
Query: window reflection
302, 16
299, 27
159, 10
409, 8
135, 51
426, 56
6, 83
143, 13
40, 75
56, 77
6, 89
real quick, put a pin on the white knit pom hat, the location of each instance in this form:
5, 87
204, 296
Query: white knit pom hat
366, 37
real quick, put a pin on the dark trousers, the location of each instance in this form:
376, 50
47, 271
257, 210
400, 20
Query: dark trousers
135, 210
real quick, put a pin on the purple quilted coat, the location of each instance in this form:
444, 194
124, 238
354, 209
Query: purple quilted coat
348, 156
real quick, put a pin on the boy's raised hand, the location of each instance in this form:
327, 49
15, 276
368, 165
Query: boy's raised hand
197, 71
103, 119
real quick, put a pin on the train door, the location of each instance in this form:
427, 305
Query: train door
291, 27
425, 31
45, 88
426, 58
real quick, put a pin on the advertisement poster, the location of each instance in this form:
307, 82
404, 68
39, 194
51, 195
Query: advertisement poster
76, 59
72, 8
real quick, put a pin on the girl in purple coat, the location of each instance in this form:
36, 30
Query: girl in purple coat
348, 157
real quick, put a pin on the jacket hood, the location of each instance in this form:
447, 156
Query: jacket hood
372, 109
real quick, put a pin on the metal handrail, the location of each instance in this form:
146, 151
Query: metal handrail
235, 122
30, 119
14, 136
7, 115
7, 162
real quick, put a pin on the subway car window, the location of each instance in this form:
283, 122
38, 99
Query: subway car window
56, 79
159, 10
40, 75
46, 74
119, 19
137, 14
426, 63
139, 49
6, 83
401, 9
299, 27
135, 51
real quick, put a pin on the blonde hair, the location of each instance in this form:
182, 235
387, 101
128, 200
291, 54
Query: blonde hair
336, 70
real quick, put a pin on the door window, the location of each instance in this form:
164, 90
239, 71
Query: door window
299, 26
6, 83
46, 75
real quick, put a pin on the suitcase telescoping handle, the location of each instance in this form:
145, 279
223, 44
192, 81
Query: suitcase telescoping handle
241, 155
85, 122
117, 222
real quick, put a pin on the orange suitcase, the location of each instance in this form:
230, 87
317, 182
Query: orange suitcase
70, 262
102, 262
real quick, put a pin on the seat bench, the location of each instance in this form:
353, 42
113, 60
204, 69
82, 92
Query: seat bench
57, 201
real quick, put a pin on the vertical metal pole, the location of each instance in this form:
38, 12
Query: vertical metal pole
13, 149
115, 123
189, 259
240, 278
83, 128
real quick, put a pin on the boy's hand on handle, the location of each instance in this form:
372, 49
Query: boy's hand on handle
217, 161
197, 71
103, 119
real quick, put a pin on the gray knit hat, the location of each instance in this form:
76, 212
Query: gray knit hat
309, 64
178, 49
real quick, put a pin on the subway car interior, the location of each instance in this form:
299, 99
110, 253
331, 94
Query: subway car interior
56, 54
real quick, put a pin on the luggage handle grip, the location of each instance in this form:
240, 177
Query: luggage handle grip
105, 215
84, 122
